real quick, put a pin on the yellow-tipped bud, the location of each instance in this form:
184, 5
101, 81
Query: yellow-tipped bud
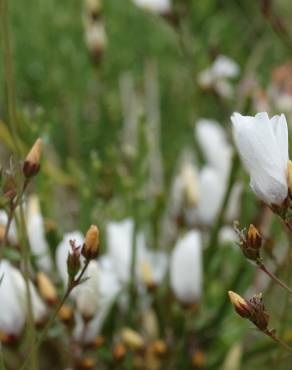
46, 288
242, 307
159, 347
289, 177
31, 164
254, 238
132, 339
91, 245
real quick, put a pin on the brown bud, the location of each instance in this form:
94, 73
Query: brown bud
73, 261
259, 317
119, 352
159, 347
251, 242
86, 363
198, 359
8, 339
91, 245
97, 342
46, 288
66, 315
31, 164
242, 307
289, 177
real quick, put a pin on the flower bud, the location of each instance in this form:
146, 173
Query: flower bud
260, 317
73, 261
86, 363
31, 164
46, 288
91, 245
132, 339
198, 359
159, 347
119, 352
242, 307
252, 245
289, 178
66, 315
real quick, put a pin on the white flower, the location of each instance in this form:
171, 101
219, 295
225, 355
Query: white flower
157, 6
63, 250
12, 314
12, 233
218, 74
263, 146
95, 297
212, 139
186, 268
150, 266
36, 234
39, 309
119, 241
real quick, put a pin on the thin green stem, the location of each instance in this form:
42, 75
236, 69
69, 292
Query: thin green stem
2, 363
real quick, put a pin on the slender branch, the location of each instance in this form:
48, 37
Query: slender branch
273, 277
272, 335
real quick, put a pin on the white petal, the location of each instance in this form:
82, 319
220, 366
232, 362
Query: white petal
186, 268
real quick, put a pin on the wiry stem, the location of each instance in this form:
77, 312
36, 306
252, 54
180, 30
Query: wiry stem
272, 335
273, 277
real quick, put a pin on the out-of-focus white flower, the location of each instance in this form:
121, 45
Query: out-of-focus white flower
39, 309
12, 314
119, 242
36, 234
213, 142
96, 297
12, 234
95, 37
185, 189
227, 235
86, 294
218, 74
186, 268
156, 6
280, 90
63, 250
263, 146
150, 265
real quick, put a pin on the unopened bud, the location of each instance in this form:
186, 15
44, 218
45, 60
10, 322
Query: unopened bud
31, 164
46, 288
260, 317
73, 261
250, 242
91, 245
119, 352
198, 359
289, 177
86, 363
66, 315
242, 307
8, 339
132, 339
251, 247
159, 347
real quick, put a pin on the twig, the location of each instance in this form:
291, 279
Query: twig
272, 276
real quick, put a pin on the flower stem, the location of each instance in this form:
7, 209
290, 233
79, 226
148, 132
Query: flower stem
272, 335
273, 277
